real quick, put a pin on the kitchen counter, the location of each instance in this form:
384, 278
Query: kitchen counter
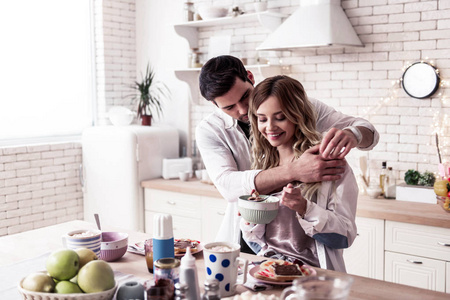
30, 244
392, 210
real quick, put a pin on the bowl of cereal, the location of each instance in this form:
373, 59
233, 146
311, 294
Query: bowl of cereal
258, 209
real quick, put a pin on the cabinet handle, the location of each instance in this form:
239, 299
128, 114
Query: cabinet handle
172, 202
444, 244
221, 213
414, 261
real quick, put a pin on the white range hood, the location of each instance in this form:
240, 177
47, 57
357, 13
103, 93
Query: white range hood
316, 23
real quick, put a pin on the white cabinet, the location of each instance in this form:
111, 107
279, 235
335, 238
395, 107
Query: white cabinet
447, 284
213, 214
415, 271
417, 255
194, 217
365, 257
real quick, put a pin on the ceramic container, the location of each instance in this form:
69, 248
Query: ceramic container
114, 245
262, 212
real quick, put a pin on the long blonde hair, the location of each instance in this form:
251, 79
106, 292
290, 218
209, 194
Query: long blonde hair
298, 109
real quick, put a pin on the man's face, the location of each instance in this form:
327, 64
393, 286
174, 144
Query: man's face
235, 102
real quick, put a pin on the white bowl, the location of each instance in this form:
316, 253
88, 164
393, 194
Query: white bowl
120, 116
262, 212
211, 12
29, 295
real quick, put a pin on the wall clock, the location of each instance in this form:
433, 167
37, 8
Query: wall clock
420, 80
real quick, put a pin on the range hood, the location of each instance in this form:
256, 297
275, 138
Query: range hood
316, 23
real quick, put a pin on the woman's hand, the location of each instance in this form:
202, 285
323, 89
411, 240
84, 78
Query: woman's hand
292, 198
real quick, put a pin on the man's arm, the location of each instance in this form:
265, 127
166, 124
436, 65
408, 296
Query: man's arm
313, 169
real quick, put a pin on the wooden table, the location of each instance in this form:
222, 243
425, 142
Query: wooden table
29, 244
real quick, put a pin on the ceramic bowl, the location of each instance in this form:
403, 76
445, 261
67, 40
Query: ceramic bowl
211, 12
114, 245
28, 295
120, 116
184, 175
262, 212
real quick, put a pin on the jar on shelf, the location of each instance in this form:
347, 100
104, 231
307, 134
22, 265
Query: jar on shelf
189, 11
196, 59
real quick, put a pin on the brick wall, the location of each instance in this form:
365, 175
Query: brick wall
39, 184
355, 80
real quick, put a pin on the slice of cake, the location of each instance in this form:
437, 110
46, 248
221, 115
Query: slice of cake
287, 272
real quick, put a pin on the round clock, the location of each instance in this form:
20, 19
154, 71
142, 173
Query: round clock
420, 80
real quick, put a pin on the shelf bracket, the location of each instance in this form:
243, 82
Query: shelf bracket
189, 33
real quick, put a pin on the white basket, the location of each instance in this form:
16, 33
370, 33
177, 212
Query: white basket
28, 295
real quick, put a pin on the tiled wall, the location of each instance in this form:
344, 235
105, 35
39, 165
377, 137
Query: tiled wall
39, 184
395, 33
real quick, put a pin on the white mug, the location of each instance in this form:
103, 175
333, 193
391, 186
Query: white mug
221, 263
83, 238
326, 287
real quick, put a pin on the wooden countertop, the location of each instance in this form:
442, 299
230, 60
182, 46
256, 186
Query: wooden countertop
392, 210
31, 244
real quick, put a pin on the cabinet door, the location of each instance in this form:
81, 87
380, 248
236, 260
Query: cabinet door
415, 271
365, 257
447, 285
213, 214
183, 227
173, 203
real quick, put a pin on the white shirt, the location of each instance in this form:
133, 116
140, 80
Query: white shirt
226, 153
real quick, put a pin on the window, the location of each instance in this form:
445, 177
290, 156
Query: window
46, 71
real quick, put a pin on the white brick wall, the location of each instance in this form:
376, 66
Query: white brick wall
39, 186
352, 80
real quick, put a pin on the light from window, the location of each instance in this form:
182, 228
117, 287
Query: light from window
45, 68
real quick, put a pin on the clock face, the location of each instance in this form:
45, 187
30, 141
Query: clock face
420, 80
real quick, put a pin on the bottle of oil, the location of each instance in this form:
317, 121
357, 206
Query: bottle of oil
382, 176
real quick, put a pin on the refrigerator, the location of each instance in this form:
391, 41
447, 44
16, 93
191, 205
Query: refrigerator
116, 159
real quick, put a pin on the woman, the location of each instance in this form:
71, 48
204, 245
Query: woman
315, 221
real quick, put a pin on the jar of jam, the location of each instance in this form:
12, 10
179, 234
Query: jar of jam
167, 271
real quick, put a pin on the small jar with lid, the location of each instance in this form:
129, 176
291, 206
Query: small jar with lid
196, 58
167, 270
189, 11
211, 290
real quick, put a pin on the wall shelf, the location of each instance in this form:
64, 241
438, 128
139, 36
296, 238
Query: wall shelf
190, 76
189, 30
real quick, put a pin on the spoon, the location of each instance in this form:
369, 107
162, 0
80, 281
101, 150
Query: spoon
97, 220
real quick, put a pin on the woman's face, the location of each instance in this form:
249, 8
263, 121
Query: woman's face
273, 124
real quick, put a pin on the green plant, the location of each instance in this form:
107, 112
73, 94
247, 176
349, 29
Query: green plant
427, 179
412, 177
150, 94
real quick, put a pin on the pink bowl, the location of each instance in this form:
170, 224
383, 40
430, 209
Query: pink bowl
114, 245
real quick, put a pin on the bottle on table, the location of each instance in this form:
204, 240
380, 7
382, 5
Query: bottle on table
189, 276
382, 176
162, 237
211, 290
181, 291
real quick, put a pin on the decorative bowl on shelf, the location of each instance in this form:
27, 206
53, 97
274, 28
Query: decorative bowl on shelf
208, 12
262, 212
114, 245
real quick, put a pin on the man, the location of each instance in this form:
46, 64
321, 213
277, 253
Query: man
222, 138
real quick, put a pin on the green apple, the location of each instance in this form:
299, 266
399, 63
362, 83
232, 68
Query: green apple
67, 287
39, 282
85, 255
63, 264
96, 276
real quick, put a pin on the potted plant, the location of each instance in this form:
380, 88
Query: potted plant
150, 94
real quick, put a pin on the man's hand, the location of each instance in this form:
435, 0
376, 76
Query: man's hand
292, 198
337, 143
312, 167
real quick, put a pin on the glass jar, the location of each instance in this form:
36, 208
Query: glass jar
189, 11
167, 272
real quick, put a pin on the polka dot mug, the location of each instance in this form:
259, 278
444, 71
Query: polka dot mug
221, 263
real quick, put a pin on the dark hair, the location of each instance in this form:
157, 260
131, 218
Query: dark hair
219, 74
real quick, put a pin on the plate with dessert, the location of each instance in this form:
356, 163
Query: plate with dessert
180, 246
280, 272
